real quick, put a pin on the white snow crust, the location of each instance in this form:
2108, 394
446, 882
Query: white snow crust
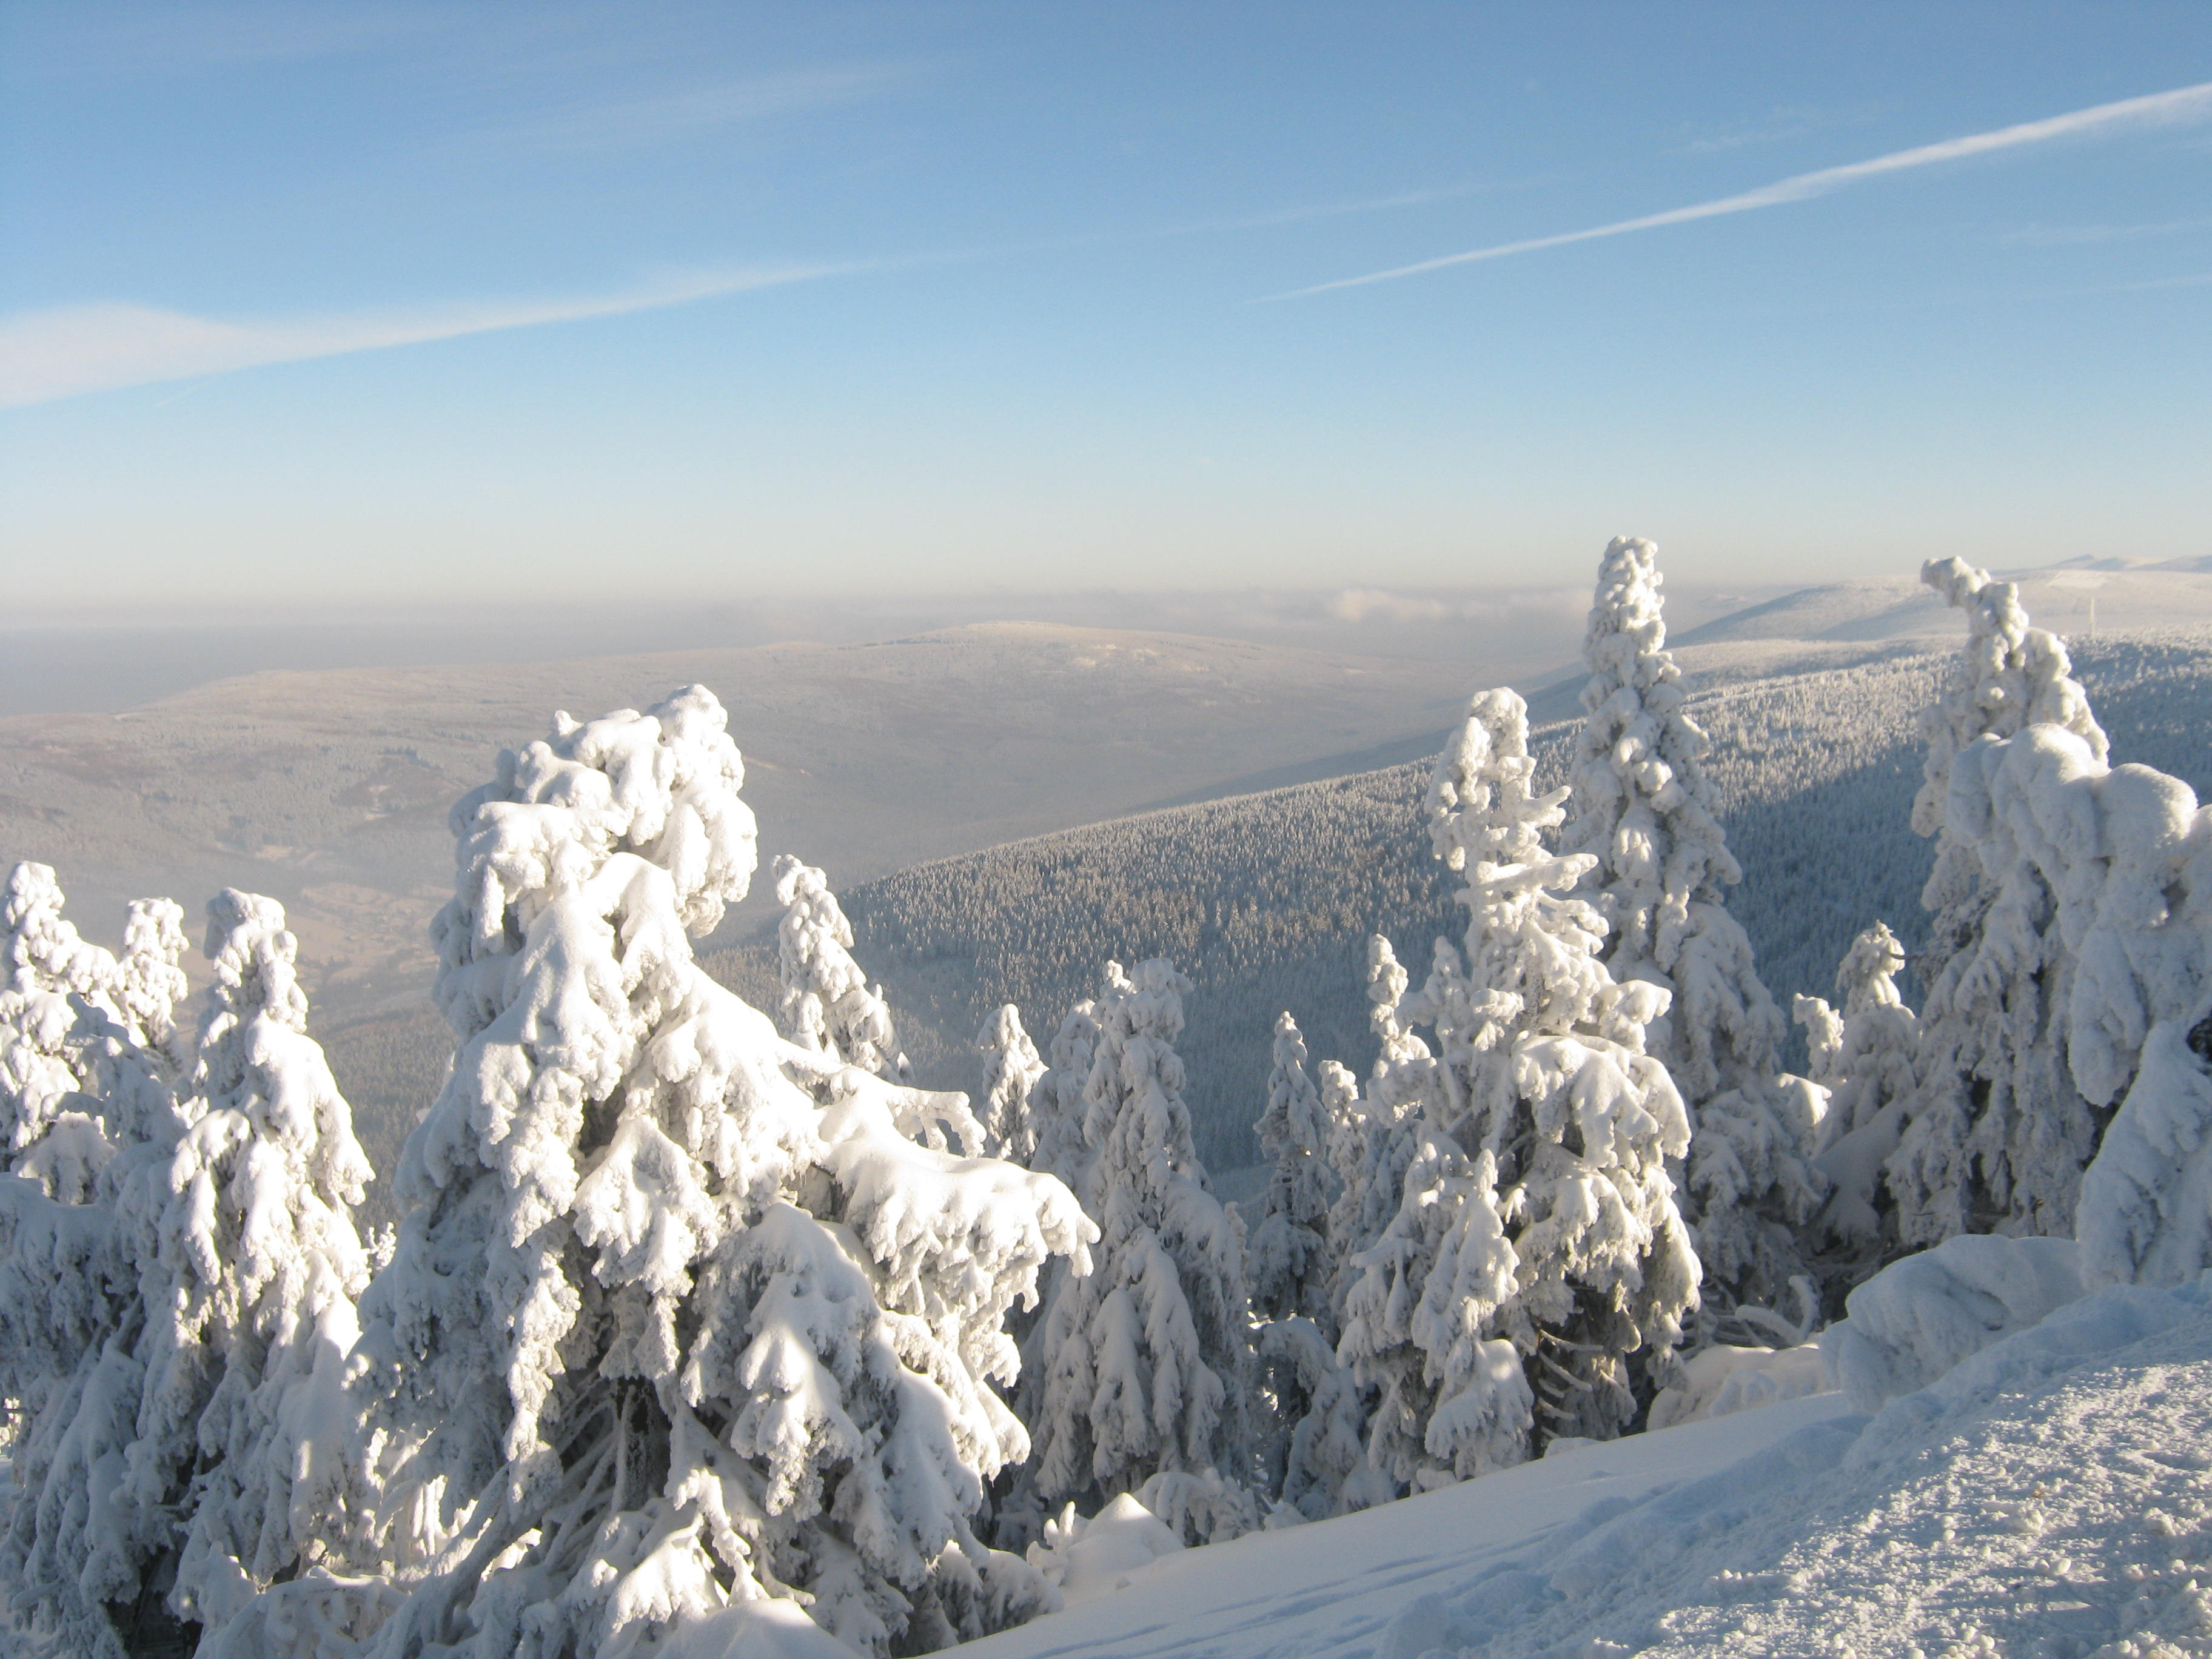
2053, 1495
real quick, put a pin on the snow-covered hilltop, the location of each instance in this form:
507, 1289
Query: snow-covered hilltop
1567, 1319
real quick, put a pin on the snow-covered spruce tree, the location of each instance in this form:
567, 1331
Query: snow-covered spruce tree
2145, 1215
1374, 1134
198, 1453
1291, 1271
677, 1319
1539, 1212
1056, 1103
1999, 1133
1644, 813
827, 1003
1055, 1109
829, 1006
1149, 1358
1326, 1399
1286, 1254
87, 1099
2123, 858
1315, 1445
1011, 1067
88, 1041
1866, 1057
1452, 1400
251, 1316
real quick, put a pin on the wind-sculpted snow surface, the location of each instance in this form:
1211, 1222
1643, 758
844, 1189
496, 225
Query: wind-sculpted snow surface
678, 1319
1920, 1317
2049, 1496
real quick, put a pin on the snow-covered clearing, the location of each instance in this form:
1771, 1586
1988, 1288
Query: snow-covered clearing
2053, 1496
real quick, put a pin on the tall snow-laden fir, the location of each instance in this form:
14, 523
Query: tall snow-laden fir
90, 1049
2000, 1132
1304, 1397
1287, 1252
679, 1322
1320, 1401
1374, 1139
1537, 1271
1644, 813
828, 1002
1451, 1400
196, 1452
2103, 879
1148, 1357
260, 1266
1057, 1104
1373, 1133
89, 1073
1012, 1066
1867, 1057
1054, 1115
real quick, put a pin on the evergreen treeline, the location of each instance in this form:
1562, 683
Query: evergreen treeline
1265, 900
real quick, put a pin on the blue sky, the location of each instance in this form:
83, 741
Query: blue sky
305, 305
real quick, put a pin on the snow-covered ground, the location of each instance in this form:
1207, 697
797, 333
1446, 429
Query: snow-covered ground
2051, 1496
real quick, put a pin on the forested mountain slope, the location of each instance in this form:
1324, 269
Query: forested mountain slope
1266, 900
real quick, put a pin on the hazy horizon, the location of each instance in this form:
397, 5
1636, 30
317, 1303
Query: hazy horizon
95, 664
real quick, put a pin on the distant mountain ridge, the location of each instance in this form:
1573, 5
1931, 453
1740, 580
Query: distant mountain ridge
2128, 594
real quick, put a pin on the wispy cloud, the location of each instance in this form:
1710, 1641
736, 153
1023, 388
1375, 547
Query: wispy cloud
2195, 279
2182, 106
686, 111
1778, 126
2091, 235
76, 42
1292, 215
67, 350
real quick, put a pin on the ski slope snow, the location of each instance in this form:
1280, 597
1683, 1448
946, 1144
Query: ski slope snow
2051, 1496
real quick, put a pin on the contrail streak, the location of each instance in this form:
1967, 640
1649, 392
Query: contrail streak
2181, 106
73, 349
